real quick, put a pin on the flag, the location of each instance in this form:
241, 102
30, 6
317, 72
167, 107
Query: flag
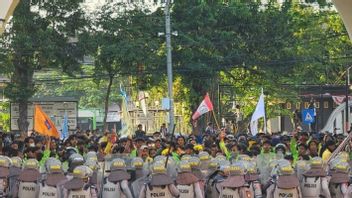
43, 124
126, 124
64, 128
203, 108
258, 113
142, 99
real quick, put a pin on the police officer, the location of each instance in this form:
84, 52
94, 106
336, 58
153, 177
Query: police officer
338, 185
235, 185
55, 178
285, 183
140, 173
15, 170
213, 188
138, 166
301, 167
314, 182
116, 184
252, 178
74, 161
187, 183
5, 164
204, 162
79, 185
28, 180
95, 179
160, 185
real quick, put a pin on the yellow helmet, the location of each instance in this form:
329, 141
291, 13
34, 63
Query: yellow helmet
5, 161
159, 167
185, 166
118, 164
316, 162
32, 164
137, 162
203, 156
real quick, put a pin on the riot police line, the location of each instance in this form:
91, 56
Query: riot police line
198, 176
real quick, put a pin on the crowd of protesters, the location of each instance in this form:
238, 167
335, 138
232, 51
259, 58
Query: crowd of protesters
262, 148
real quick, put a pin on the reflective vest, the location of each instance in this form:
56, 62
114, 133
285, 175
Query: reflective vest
311, 186
48, 191
158, 192
27, 190
186, 191
111, 190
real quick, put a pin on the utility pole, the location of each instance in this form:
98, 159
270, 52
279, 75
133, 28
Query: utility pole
346, 100
169, 64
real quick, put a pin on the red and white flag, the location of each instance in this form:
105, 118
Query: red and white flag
203, 108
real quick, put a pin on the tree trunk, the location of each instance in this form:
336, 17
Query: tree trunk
107, 102
22, 120
23, 81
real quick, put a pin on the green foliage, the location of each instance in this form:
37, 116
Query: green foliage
38, 38
5, 116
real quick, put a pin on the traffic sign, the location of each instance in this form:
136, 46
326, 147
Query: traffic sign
308, 116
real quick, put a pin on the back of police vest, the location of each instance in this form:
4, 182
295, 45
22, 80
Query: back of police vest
48, 191
27, 190
112, 190
311, 186
158, 191
186, 191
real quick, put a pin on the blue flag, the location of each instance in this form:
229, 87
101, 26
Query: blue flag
64, 129
308, 116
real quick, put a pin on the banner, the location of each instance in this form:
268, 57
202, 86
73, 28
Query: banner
341, 99
203, 108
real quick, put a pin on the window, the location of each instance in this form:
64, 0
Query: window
326, 104
317, 105
306, 105
288, 105
298, 105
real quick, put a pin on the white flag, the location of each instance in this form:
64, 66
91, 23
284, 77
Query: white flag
142, 99
258, 113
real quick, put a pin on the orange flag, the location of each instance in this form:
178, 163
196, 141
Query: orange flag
43, 124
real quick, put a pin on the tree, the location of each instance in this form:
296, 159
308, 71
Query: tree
122, 42
38, 38
4, 116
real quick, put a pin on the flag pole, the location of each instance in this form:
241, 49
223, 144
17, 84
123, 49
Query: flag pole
265, 124
216, 121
